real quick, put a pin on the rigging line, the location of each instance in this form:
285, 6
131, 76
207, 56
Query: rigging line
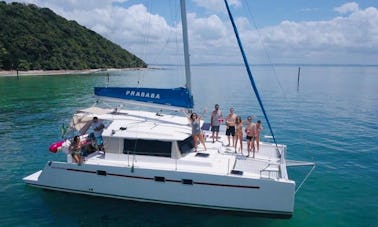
175, 35
304, 180
146, 41
266, 52
249, 71
158, 56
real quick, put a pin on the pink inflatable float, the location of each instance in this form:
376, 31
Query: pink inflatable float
55, 146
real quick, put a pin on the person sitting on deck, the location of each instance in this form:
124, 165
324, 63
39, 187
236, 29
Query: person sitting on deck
89, 146
98, 128
75, 150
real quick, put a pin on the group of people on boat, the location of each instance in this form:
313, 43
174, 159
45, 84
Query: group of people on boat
234, 130
78, 148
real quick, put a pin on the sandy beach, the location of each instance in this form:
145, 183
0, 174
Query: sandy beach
59, 72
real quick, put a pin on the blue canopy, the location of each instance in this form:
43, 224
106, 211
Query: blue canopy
178, 97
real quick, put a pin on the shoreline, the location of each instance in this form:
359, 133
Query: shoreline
10, 73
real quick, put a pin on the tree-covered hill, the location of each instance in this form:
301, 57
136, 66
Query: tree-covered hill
33, 38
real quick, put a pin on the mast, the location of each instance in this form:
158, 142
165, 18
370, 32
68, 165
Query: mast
186, 45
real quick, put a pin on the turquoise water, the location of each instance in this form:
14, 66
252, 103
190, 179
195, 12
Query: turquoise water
331, 120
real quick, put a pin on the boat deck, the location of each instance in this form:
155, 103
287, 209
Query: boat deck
218, 159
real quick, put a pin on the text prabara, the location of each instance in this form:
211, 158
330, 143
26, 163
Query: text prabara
142, 94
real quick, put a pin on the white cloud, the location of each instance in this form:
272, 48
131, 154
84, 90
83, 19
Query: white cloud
355, 33
352, 37
347, 8
216, 5
208, 29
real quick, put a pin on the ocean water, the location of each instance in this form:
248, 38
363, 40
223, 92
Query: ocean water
330, 118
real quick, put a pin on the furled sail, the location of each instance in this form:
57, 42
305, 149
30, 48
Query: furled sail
175, 97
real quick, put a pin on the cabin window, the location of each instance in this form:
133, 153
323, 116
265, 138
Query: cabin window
101, 172
186, 145
159, 179
187, 181
147, 147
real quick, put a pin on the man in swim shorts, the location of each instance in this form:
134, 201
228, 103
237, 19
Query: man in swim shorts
216, 119
230, 123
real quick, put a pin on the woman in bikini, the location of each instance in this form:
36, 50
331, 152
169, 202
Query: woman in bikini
259, 128
75, 149
239, 133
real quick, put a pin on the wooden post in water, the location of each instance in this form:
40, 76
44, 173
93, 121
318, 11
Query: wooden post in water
299, 75
108, 78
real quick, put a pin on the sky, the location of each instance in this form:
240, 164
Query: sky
272, 32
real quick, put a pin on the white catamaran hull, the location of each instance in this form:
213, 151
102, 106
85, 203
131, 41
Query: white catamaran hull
169, 187
150, 156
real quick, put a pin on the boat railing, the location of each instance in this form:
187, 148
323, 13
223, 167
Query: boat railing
271, 171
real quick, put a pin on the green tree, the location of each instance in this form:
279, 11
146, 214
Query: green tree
37, 38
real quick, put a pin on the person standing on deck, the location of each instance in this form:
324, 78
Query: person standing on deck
230, 123
259, 128
250, 129
98, 128
216, 119
195, 122
239, 134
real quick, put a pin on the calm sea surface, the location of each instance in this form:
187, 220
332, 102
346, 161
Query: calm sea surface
332, 119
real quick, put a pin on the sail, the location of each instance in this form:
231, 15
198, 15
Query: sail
176, 97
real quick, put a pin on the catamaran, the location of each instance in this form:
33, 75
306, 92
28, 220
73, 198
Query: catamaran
148, 156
